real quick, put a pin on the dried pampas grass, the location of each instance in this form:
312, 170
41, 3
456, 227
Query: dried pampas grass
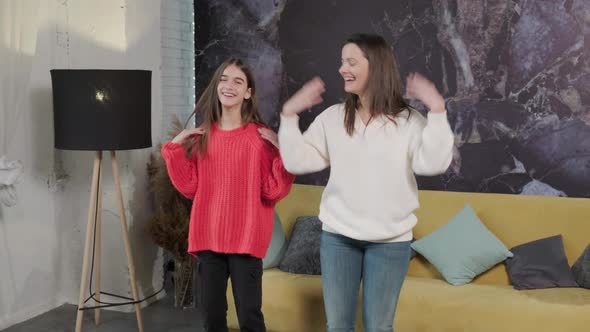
169, 226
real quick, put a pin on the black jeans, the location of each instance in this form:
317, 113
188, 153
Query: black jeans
245, 272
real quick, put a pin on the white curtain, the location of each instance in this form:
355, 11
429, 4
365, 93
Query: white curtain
18, 38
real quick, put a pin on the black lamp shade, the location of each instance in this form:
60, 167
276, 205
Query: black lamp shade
101, 109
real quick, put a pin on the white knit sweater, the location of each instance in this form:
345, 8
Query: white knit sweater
372, 191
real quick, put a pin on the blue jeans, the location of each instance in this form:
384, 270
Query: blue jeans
382, 268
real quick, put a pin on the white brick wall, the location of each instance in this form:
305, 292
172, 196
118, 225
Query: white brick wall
178, 75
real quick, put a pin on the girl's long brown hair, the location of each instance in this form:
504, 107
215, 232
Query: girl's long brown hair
384, 86
210, 108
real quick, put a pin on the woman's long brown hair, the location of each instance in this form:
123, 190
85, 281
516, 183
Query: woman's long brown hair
384, 85
210, 108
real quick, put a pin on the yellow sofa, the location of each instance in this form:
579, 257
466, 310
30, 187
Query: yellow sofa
293, 303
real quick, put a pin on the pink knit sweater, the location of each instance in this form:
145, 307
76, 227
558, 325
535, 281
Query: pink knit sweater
234, 190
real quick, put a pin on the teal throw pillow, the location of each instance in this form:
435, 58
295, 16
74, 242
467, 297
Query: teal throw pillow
278, 245
463, 248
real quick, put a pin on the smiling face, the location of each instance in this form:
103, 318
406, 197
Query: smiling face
233, 88
371, 78
354, 69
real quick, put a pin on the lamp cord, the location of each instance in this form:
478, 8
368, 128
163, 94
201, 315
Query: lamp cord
104, 304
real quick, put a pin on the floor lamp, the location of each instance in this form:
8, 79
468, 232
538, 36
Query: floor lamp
102, 110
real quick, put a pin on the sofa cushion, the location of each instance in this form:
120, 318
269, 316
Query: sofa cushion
540, 264
278, 245
294, 303
427, 305
462, 249
303, 251
290, 303
581, 269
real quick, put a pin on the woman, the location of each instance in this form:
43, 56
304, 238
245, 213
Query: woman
374, 143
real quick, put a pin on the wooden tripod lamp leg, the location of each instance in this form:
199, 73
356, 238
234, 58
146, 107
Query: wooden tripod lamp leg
126, 239
91, 211
98, 250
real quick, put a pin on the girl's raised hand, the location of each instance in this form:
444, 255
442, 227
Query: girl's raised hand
191, 132
269, 135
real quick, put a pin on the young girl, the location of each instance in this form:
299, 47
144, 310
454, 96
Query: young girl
235, 176
374, 143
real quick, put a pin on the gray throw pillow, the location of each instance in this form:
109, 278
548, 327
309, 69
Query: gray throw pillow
581, 269
540, 264
303, 252
278, 245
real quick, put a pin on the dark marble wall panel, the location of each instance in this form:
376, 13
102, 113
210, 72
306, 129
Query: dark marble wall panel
515, 73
